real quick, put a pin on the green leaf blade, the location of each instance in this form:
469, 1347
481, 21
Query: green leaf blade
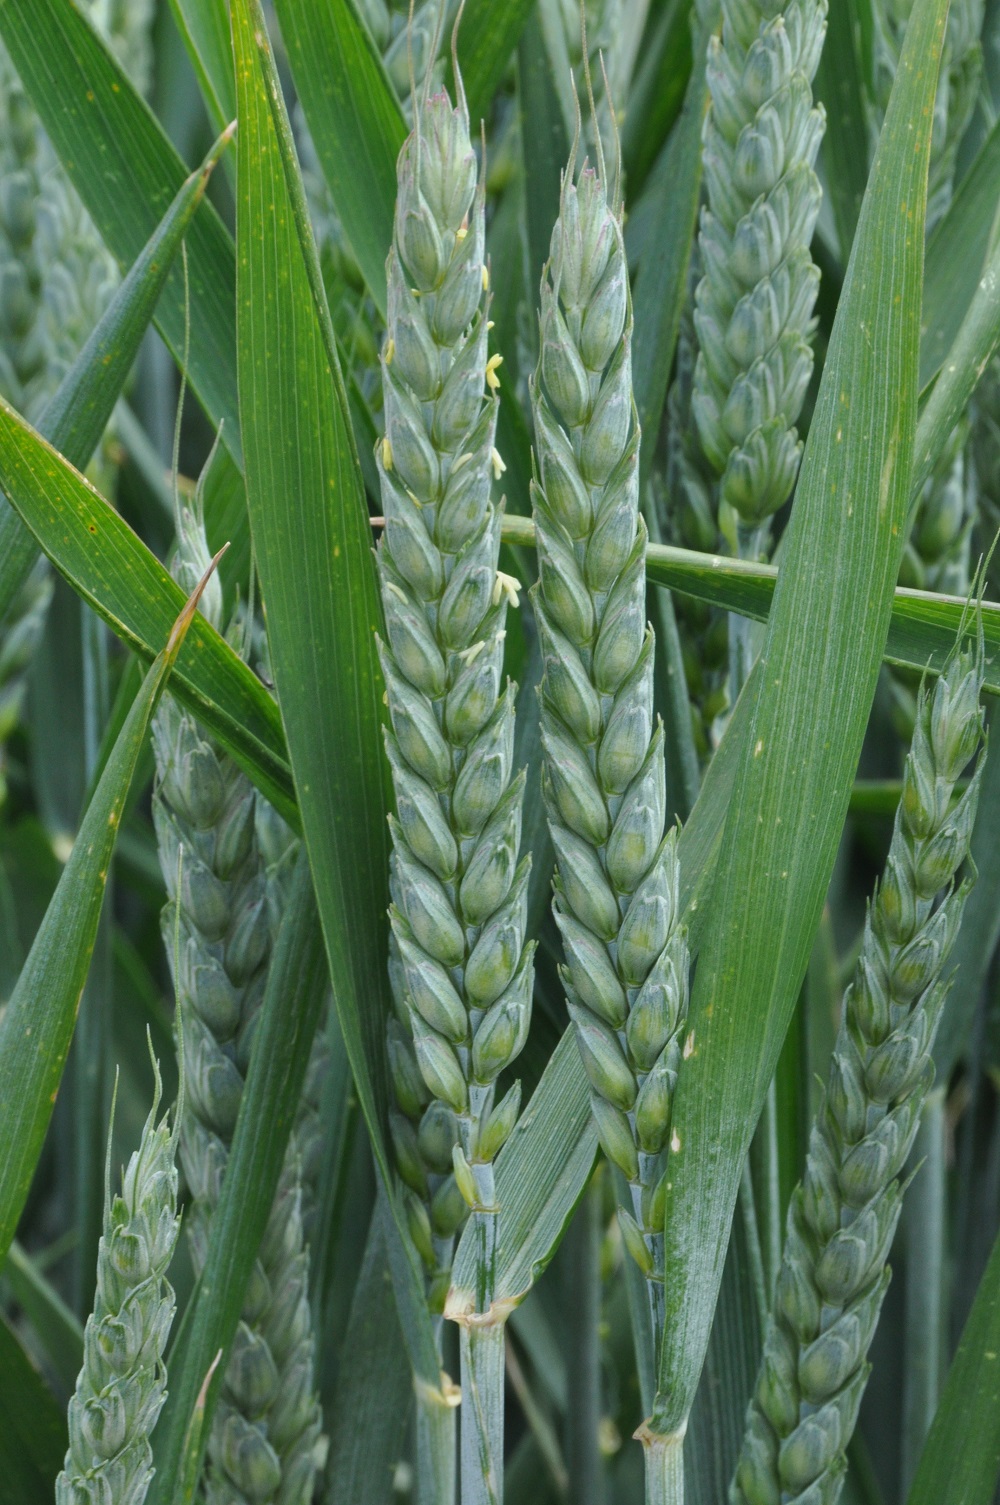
37, 1025
823, 649
313, 547
111, 568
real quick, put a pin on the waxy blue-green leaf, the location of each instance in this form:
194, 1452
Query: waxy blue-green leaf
293, 1003
127, 172
37, 1025
79, 410
111, 568
313, 549
960, 1461
818, 671
356, 123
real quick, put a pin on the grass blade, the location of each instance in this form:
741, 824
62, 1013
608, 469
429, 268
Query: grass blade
355, 120
55, 1326
955, 255
32, 1428
204, 27
313, 549
37, 1025
372, 1400
663, 272
961, 1457
136, 596
78, 413
977, 339
823, 648
922, 626
846, 145
486, 39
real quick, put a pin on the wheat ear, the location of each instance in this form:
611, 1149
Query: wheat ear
122, 1385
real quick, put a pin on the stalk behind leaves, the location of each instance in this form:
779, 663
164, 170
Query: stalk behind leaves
122, 1384
844, 1213
461, 971
616, 903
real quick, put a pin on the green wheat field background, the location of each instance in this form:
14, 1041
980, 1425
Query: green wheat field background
499, 832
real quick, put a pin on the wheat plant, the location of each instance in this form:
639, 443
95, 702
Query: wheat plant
519, 754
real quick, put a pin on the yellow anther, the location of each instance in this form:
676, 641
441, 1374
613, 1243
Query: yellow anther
463, 459
390, 350
492, 380
461, 232
486, 278
469, 655
489, 323
390, 585
506, 585
386, 454
498, 465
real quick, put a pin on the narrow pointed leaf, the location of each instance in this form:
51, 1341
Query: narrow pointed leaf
313, 548
960, 1462
487, 38
840, 85
111, 568
355, 119
32, 1428
127, 172
204, 26
80, 409
955, 255
37, 1025
373, 1396
818, 672
922, 626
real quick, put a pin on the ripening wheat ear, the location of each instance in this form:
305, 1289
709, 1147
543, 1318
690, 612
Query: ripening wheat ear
616, 904
265, 1443
122, 1384
755, 300
843, 1215
460, 962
